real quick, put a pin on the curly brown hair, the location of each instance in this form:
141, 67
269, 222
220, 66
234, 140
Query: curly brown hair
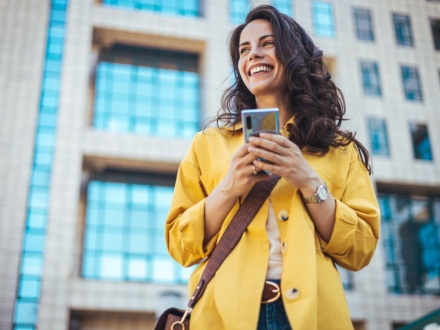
316, 103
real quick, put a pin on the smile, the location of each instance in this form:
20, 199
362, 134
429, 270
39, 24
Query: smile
260, 68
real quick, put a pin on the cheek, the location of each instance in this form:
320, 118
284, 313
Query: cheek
241, 69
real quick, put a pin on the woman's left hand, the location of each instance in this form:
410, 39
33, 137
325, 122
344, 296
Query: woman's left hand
285, 159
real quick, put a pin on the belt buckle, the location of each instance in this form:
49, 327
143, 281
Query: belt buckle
276, 290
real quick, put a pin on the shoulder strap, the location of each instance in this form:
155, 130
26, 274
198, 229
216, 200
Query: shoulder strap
245, 214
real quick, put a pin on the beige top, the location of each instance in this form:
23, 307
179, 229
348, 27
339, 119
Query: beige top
275, 258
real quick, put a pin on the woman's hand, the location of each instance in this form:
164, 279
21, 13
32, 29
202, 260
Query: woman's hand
238, 181
286, 160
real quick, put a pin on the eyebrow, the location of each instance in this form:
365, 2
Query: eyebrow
259, 39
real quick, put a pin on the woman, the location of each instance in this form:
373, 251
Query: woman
322, 211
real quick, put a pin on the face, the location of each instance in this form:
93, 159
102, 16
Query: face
259, 67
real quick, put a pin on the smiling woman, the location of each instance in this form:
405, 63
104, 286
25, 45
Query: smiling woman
323, 211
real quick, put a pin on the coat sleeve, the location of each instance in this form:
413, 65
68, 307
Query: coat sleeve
184, 229
356, 232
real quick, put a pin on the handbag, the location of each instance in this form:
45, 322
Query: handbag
178, 319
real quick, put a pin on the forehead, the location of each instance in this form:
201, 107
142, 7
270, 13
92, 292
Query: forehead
255, 29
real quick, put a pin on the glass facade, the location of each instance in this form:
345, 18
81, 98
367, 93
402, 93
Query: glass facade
410, 232
284, 6
420, 141
435, 28
124, 231
370, 78
181, 7
411, 83
364, 24
147, 92
238, 9
402, 29
323, 19
31, 268
377, 129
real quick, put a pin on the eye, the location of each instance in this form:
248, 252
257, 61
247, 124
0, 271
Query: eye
243, 50
268, 43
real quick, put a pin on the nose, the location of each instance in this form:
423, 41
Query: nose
255, 52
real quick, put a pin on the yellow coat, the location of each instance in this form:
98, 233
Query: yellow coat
232, 299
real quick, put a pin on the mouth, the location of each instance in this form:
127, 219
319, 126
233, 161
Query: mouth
260, 68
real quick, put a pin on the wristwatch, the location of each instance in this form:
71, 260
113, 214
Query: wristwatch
319, 196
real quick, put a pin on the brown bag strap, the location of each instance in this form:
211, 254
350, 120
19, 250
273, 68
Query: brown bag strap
245, 214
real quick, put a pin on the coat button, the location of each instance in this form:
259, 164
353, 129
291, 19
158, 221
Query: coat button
283, 215
292, 294
284, 247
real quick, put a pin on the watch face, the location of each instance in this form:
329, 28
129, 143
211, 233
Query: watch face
322, 193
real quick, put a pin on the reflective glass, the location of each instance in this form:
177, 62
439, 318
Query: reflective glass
410, 234
32, 264
402, 28
364, 25
284, 6
124, 229
323, 20
25, 312
378, 136
174, 7
411, 83
238, 10
126, 100
370, 76
29, 288
421, 142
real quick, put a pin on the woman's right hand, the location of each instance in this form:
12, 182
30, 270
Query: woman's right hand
237, 182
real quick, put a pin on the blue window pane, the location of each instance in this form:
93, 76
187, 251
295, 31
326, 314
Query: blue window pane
34, 241
411, 83
25, 312
323, 20
18, 327
238, 10
111, 267
29, 288
421, 142
370, 76
182, 7
45, 137
364, 25
40, 178
284, 6
124, 231
137, 269
402, 28
32, 264
147, 100
36, 220
38, 198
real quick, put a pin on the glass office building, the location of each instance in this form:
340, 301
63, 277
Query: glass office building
99, 102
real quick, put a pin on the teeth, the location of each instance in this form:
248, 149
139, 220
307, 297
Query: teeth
260, 68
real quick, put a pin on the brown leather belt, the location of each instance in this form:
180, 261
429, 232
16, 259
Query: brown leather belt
271, 292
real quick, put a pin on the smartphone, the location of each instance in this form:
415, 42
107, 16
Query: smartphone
256, 121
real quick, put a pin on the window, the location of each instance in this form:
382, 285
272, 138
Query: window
402, 28
31, 267
410, 231
435, 27
411, 83
364, 25
420, 141
123, 239
181, 7
323, 20
370, 78
284, 6
378, 136
238, 9
148, 92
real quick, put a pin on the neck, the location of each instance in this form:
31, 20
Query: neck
282, 103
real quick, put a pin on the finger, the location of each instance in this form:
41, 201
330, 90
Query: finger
279, 139
266, 154
269, 145
268, 167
